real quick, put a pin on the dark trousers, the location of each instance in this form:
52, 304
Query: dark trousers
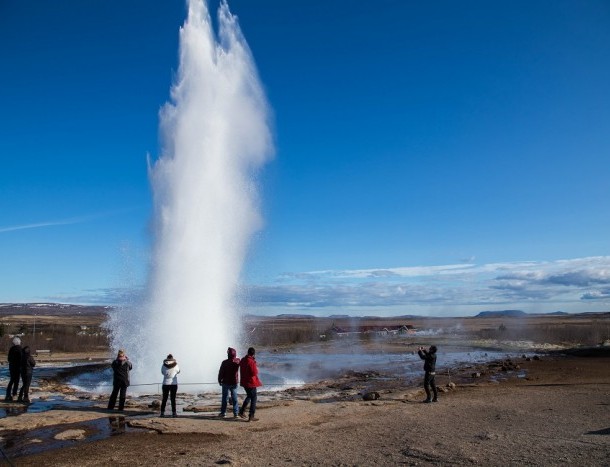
116, 389
24, 392
169, 390
250, 399
430, 383
13, 384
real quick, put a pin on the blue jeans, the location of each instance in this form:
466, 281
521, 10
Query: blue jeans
226, 388
250, 399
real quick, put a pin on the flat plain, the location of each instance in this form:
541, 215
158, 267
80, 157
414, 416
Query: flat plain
553, 409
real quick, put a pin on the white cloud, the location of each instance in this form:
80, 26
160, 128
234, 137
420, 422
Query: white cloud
550, 284
581, 284
69, 221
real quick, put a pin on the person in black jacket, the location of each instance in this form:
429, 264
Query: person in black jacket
429, 357
120, 381
27, 368
228, 379
14, 368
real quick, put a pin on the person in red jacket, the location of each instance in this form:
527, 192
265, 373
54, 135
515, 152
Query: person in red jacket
227, 378
249, 380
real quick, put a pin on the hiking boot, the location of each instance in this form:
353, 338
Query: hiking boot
252, 419
162, 415
8, 399
242, 415
20, 399
435, 400
221, 415
234, 415
427, 401
174, 415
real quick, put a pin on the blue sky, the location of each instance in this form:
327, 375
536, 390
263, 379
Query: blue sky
431, 158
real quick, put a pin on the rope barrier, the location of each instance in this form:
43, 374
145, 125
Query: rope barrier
92, 385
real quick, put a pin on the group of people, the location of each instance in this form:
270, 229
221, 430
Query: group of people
21, 365
232, 371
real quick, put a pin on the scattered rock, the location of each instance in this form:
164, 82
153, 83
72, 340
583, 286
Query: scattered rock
536, 357
476, 375
371, 396
451, 385
155, 404
195, 409
509, 365
70, 434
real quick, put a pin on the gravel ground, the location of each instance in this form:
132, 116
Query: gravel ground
558, 414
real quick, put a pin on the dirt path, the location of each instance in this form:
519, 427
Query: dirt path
558, 415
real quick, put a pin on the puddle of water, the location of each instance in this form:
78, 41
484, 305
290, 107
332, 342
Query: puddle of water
38, 405
21, 443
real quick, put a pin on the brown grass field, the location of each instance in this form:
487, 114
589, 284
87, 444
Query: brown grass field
82, 330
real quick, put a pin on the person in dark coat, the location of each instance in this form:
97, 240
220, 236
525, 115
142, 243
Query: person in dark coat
429, 357
27, 368
249, 380
14, 368
121, 367
227, 378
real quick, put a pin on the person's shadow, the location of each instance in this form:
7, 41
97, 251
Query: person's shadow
15, 410
603, 431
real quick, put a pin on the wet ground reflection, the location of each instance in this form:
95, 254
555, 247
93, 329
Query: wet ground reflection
24, 442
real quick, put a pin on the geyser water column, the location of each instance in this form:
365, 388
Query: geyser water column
215, 136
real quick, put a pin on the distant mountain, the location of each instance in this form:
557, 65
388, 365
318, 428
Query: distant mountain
289, 315
52, 309
557, 313
501, 314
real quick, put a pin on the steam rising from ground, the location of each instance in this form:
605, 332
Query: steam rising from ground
215, 137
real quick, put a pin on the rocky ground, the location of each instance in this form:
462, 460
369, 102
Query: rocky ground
552, 411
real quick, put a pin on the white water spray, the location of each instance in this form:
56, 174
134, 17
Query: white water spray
215, 137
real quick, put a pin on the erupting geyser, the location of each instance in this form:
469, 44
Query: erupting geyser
215, 137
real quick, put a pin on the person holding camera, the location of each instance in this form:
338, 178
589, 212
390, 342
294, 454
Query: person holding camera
121, 367
429, 357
